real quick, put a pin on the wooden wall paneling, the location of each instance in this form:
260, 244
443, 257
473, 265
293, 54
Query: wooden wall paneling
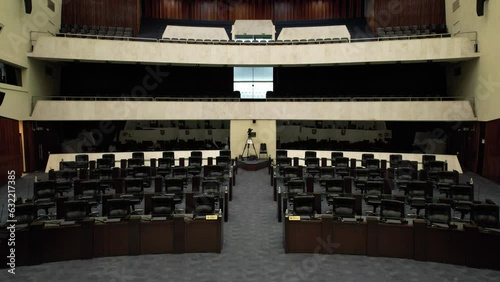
491, 164
29, 146
11, 157
408, 12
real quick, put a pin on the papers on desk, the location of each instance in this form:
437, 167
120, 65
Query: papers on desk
113, 220
442, 225
69, 222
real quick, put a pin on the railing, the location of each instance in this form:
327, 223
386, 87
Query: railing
248, 42
35, 99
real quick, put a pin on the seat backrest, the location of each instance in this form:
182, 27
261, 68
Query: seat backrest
334, 185
138, 155
117, 208
168, 155
394, 160
225, 153
343, 206
75, 210
25, 213
104, 163
312, 161
438, 213
392, 209
195, 161
374, 188
222, 160
133, 185
110, 157
365, 157
263, 147
484, 215
281, 153
296, 186
373, 163
310, 154
165, 162
179, 171
131, 163
283, 161
162, 205
436, 166
342, 162
196, 154
204, 204
303, 205
90, 188
426, 159
417, 188
45, 189
462, 192
210, 186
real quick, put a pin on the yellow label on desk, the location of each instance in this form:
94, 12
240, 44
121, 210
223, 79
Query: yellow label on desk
211, 217
294, 218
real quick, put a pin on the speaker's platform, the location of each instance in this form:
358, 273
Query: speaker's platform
253, 164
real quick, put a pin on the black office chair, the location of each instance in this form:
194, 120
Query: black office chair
334, 157
90, 193
63, 179
326, 173
403, 174
223, 161
373, 194
295, 187
392, 209
175, 187
138, 155
211, 187
105, 178
342, 167
133, 190
462, 196
203, 205
434, 169
194, 165
438, 213
312, 166
361, 176
44, 195
76, 210
365, 157
343, 207
485, 214
144, 173
25, 213
104, 163
162, 206
164, 167
444, 181
111, 158
197, 154
281, 154
117, 208
373, 165
263, 149
133, 163
310, 154
225, 153
168, 155
394, 160
426, 159
82, 161
416, 195
303, 205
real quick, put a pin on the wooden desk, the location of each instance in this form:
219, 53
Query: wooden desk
389, 240
439, 244
203, 236
157, 237
302, 236
118, 238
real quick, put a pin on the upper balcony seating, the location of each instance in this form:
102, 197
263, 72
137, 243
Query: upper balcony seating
414, 31
97, 30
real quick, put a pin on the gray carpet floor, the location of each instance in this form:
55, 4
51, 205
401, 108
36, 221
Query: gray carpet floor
252, 251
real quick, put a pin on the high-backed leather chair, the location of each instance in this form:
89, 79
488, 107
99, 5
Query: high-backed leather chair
373, 194
403, 174
111, 158
312, 165
365, 157
485, 214
343, 207
281, 153
426, 159
462, 196
361, 176
168, 155
334, 157
144, 173
416, 195
342, 167
392, 209
82, 161
310, 154
164, 167
76, 210
303, 205
444, 181
203, 205
117, 208
44, 194
175, 187
394, 160
438, 213
134, 189
211, 187
162, 206
295, 187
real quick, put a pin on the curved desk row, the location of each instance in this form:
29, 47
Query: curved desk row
41, 243
466, 245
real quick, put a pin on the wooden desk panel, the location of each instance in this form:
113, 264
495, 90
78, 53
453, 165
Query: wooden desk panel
349, 238
111, 239
157, 237
482, 248
203, 236
395, 240
61, 243
445, 245
302, 236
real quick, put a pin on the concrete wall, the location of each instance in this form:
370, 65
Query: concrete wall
15, 44
442, 49
173, 31
265, 133
155, 110
478, 78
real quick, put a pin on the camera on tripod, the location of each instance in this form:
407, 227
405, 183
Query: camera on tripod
249, 132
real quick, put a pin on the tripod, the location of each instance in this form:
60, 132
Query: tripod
247, 147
